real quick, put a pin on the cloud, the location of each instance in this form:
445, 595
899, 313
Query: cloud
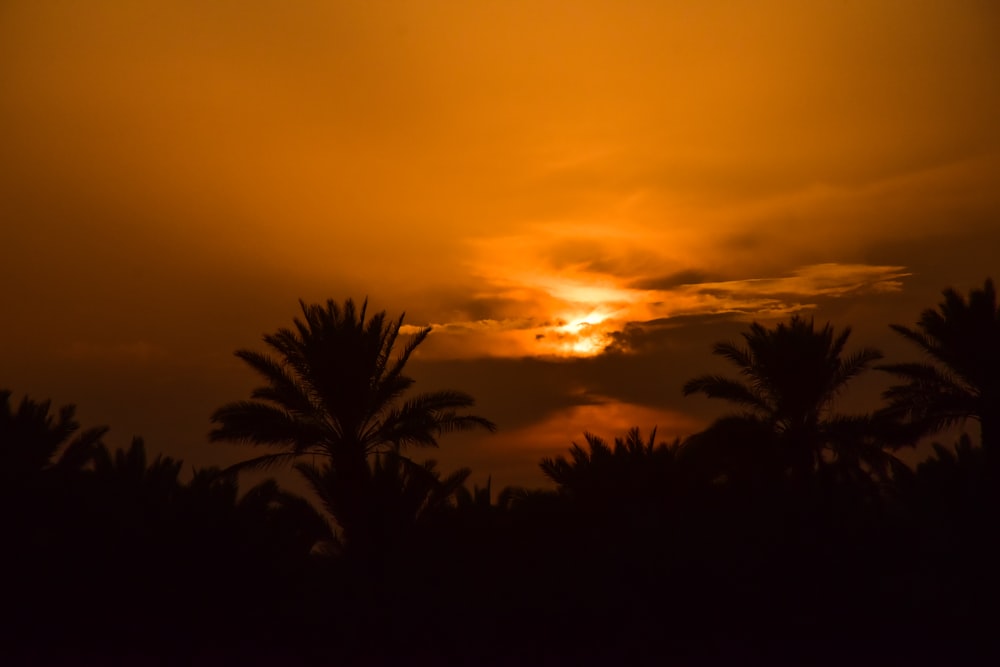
829, 279
671, 281
575, 311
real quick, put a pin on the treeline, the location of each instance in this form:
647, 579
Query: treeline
785, 533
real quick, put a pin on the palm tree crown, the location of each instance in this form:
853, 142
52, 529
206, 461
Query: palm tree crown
33, 440
962, 380
791, 375
335, 390
632, 466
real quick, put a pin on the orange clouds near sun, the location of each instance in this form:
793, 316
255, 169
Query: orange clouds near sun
555, 294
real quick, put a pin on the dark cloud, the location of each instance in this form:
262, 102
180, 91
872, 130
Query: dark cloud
460, 307
673, 280
644, 338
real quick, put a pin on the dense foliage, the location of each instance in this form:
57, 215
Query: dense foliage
785, 533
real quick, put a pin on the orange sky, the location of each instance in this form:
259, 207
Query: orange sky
539, 180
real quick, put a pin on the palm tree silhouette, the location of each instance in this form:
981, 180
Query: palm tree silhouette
131, 469
336, 392
400, 494
43, 460
962, 379
633, 467
478, 499
792, 374
33, 441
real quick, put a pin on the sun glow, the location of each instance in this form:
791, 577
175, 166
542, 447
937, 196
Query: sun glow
552, 293
582, 335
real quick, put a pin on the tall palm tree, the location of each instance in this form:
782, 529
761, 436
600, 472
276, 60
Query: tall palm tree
335, 391
791, 376
962, 378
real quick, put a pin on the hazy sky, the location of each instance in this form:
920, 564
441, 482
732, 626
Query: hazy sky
580, 196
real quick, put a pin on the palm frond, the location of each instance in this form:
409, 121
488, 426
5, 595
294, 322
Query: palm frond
282, 389
717, 386
81, 449
422, 418
256, 423
852, 366
265, 462
741, 357
324, 483
916, 337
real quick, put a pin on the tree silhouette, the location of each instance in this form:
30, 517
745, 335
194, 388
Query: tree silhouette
791, 376
153, 544
962, 379
43, 457
128, 472
951, 480
400, 494
478, 499
633, 468
31, 438
335, 391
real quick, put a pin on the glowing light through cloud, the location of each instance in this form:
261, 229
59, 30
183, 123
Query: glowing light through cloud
552, 316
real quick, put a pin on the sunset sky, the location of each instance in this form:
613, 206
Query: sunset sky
581, 197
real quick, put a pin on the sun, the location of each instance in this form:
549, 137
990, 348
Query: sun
581, 335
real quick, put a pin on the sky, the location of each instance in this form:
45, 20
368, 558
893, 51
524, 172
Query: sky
580, 197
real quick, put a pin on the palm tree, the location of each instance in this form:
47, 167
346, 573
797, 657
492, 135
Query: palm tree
43, 457
962, 378
633, 468
478, 499
336, 392
791, 376
130, 471
400, 495
33, 441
